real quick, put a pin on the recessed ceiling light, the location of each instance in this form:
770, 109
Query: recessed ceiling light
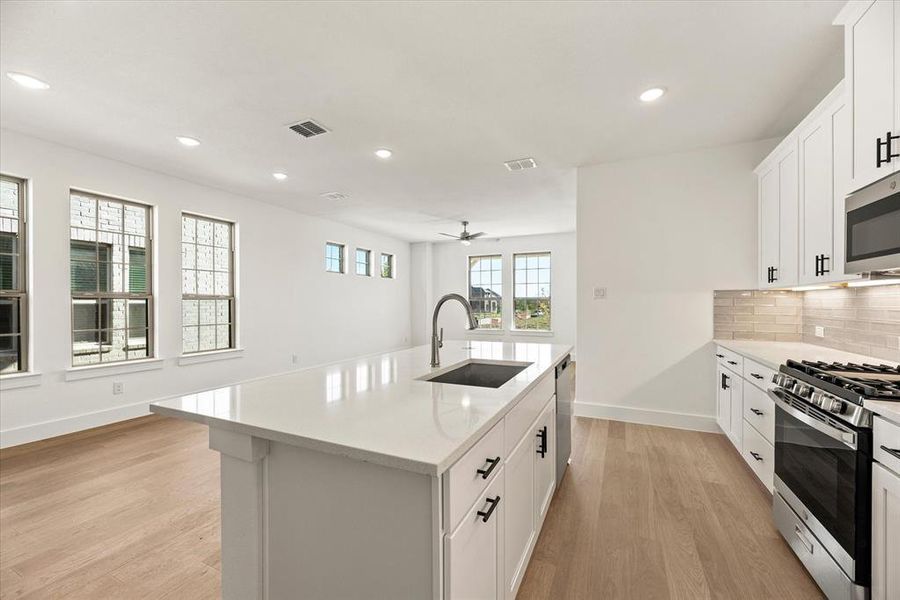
279, 176
653, 94
27, 81
334, 196
188, 141
383, 153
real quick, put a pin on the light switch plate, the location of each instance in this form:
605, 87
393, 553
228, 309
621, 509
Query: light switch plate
599, 293
820, 331
118, 387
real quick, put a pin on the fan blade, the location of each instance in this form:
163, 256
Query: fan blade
472, 236
455, 237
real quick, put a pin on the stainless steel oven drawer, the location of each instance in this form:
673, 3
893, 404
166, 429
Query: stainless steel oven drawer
824, 570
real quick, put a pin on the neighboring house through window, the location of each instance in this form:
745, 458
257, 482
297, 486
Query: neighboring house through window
531, 291
387, 266
13, 285
334, 257
486, 290
109, 261
207, 284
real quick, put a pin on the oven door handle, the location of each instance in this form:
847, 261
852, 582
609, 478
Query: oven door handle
845, 437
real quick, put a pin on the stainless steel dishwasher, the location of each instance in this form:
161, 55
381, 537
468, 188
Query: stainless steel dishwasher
565, 395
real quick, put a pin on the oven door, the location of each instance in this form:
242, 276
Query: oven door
873, 227
823, 471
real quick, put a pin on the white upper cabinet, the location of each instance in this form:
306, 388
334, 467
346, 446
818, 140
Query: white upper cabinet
778, 197
871, 70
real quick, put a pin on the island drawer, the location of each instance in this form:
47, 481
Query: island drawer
759, 375
519, 419
471, 474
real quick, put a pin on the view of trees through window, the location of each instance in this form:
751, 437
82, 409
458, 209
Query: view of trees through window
486, 290
531, 293
12, 275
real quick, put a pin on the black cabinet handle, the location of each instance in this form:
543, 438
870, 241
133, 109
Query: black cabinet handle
891, 451
756, 376
756, 456
542, 435
486, 514
886, 144
720, 356
725, 379
757, 412
731, 362
824, 270
774, 277
818, 261
493, 462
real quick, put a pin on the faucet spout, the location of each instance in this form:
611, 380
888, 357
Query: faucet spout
437, 340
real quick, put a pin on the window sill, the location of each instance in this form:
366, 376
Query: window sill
92, 371
540, 333
211, 356
14, 381
480, 331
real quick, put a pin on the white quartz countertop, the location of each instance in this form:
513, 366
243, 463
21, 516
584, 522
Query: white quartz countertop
774, 354
374, 408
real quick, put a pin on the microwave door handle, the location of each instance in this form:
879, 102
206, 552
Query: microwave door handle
847, 438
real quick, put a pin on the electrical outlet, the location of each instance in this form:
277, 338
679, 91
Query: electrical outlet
295, 359
118, 387
820, 331
599, 293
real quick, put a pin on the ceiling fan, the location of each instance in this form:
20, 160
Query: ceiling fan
465, 237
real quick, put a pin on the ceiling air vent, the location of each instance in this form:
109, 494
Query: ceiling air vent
520, 164
308, 129
334, 196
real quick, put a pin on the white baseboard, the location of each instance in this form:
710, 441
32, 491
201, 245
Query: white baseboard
48, 429
646, 416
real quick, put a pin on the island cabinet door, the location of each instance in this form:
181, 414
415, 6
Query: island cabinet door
473, 552
519, 512
544, 461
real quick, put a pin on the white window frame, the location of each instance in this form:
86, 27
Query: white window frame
149, 235
20, 292
469, 258
342, 260
527, 330
231, 298
368, 262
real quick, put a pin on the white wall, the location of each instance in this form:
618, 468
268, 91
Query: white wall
448, 273
287, 303
660, 234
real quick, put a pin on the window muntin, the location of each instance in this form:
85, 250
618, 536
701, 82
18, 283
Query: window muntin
207, 284
13, 292
334, 257
363, 262
531, 291
387, 266
486, 290
109, 262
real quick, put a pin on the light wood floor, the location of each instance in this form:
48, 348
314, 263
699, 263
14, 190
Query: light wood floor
644, 512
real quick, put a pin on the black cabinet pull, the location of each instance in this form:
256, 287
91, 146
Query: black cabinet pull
724, 381
720, 356
823, 269
486, 514
731, 362
542, 435
891, 451
818, 260
886, 144
485, 473
756, 456
756, 376
757, 412
774, 277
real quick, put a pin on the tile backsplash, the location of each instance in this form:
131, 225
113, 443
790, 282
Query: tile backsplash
865, 320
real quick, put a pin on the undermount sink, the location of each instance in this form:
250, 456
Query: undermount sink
479, 373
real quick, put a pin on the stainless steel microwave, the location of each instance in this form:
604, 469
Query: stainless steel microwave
873, 227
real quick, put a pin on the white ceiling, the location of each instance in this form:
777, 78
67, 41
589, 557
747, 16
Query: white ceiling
453, 88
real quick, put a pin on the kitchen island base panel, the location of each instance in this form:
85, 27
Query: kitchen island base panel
297, 521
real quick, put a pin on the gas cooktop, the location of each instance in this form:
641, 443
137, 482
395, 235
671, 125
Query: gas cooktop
872, 382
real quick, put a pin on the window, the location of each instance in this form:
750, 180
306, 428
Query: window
486, 290
531, 293
387, 266
109, 265
363, 262
207, 284
13, 335
334, 257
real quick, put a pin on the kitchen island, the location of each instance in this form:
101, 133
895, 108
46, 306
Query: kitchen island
361, 479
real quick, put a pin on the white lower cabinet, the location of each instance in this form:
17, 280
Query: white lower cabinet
885, 534
473, 553
486, 551
729, 400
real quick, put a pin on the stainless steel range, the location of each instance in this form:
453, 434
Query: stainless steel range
823, 467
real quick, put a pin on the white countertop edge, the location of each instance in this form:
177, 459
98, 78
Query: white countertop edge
750, 349
889, 411
398, 462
